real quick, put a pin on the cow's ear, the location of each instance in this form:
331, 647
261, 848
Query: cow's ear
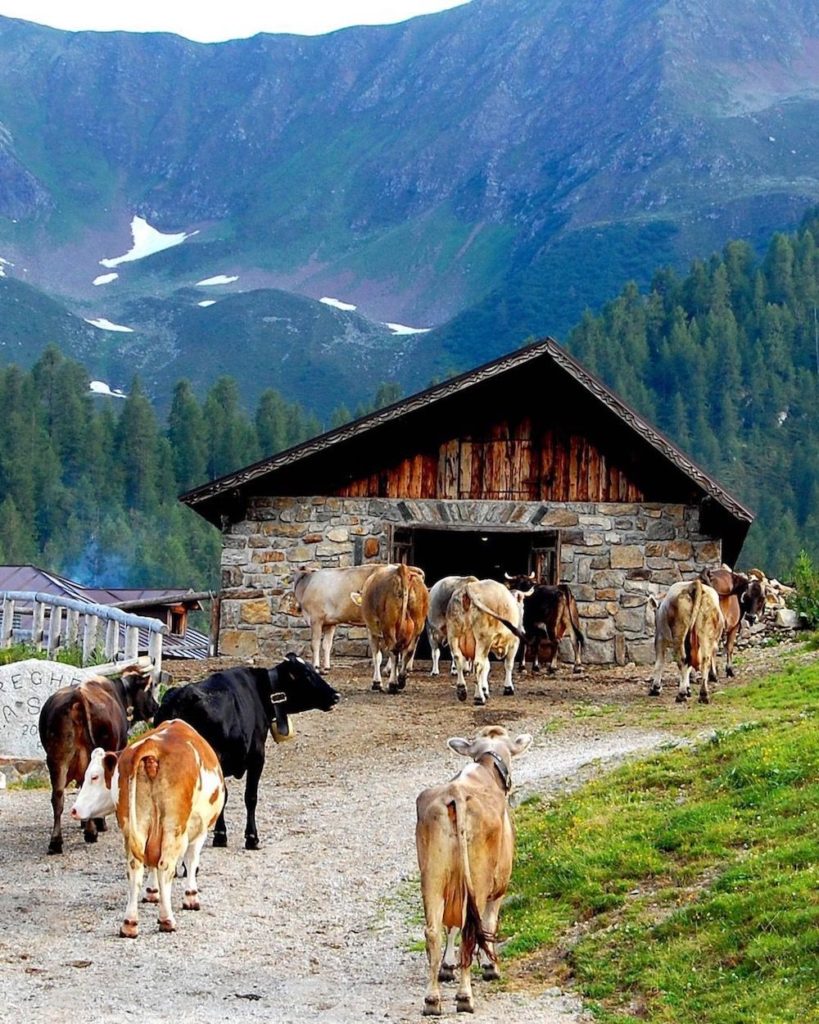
460, 746
521, 743
355, 597
109, 764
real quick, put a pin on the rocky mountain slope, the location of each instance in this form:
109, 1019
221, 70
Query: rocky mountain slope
493, 168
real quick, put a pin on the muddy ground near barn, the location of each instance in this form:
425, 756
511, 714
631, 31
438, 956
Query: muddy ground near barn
323, 922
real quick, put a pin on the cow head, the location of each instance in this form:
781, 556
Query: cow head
302, 686
96, 797
140, 704
525, 584
495, 742
752, 601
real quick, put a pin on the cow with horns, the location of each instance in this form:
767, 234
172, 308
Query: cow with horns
549, 614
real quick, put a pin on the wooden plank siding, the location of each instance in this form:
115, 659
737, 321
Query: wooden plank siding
509, 463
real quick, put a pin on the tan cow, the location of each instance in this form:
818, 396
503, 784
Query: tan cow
394, 603
465, 841
167, 790
323, 597
689, 623
484, 617
439, 595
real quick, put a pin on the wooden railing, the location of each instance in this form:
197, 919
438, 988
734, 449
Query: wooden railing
59, 622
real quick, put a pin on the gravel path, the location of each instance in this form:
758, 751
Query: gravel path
314, 926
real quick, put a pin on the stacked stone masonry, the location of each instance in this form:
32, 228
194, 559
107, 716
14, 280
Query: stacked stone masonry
613, 555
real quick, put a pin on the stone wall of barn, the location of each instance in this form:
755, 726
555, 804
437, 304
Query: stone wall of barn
614, 555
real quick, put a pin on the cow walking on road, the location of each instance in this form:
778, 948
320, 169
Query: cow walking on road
74, 720
689, 623
394, 602
465, 842
484, 618
167, 790
234, 710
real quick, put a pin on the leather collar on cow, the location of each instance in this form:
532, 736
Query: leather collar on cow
503, 770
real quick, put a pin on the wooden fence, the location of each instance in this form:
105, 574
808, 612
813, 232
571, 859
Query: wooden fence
97, 629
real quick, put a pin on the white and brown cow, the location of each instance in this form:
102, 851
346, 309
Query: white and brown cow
167, 790
394, 603
689, 623
465, 841
323, 597
484, 617
439, 597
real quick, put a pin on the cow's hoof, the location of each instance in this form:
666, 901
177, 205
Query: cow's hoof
655, 691
168, 925
251, 842
479, 701
729, 672
55, 846
535, 669
704, 698
490, 972
90, 837
128, 929
446, 973
393, 687
509, 691
220, 838
150, 896
550, 671
577, 670
464, 1004
190, 901
376, 685
102, 824
462, 693
681, 698
432, 1007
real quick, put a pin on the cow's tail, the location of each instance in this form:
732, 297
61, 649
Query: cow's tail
473, 935
147, 849
516, 630
574, 616
405, 577
695, 591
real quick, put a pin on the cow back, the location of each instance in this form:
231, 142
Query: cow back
324, 595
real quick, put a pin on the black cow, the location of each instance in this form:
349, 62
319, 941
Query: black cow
549, 614
75, 719
234, 710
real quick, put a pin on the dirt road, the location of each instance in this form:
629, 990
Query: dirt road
323, 923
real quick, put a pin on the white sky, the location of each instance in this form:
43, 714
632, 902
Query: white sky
212, 22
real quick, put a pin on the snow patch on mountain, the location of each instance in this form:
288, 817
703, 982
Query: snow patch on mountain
338, 304
206, 302
4, 263
99, 387
147, 241
106, 325
105, 278
218, 279
403, 329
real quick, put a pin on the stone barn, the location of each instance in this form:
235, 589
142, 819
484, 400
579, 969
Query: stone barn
528, 463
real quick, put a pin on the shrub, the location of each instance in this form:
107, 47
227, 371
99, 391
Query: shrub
806, 599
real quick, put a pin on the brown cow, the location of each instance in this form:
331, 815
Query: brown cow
465, 841
167, 790
74, 720
689, 623
549, 614
394, 602
740, 597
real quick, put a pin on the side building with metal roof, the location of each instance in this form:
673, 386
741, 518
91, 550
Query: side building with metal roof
528, 463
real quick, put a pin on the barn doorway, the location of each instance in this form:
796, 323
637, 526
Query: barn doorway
487, 554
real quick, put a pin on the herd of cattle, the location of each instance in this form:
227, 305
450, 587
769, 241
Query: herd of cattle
167, 788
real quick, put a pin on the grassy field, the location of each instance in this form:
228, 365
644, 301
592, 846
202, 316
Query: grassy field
683, 888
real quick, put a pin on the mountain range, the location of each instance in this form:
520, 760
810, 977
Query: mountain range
177, 209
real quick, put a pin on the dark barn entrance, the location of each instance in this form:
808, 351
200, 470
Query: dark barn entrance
487, 554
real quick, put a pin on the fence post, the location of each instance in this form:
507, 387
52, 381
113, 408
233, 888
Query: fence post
89, 639
8, 621
55, 624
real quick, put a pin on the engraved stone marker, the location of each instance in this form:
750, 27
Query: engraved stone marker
24, 688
